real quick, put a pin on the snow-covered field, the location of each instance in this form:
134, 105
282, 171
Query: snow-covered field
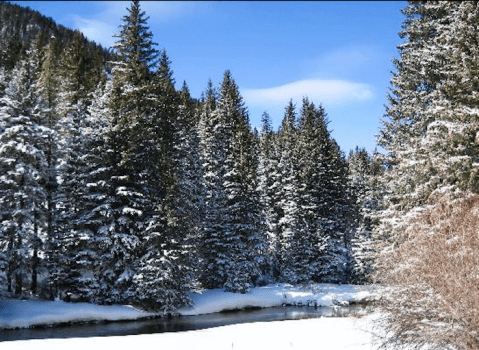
324, 333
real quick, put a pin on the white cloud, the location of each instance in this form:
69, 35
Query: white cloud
96, 30
330, 92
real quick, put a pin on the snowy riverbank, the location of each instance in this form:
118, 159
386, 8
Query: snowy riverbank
326, 333
28, 313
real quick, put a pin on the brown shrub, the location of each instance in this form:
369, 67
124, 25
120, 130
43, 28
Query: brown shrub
434, 272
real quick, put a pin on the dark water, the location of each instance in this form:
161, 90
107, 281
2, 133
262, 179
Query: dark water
178, 324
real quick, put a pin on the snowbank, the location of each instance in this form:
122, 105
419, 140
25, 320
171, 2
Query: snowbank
216, 300
27, 313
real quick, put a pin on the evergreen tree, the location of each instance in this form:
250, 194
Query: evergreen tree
239, 183
289, 200
231, 248
130, 141
164, 270
87, 214
72, 67
25, 135
363, 173
71, 109
269, 183
14, 53
189, 190
429, 130
213, 145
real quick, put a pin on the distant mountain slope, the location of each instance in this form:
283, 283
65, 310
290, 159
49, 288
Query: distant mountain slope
22, 27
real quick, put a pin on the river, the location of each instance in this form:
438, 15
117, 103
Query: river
177, 324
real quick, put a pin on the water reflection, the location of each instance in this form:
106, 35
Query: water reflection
178, 324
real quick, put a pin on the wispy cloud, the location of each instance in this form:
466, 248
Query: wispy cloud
102, 26
99, 31
328, 92
350, 62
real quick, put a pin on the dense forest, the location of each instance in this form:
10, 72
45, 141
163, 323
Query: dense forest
117, 187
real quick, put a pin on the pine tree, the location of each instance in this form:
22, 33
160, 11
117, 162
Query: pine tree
130, 143
165, 268
363, 173
269, 179
289, 201
212, 250
87, 214
47, 88
25, 136
231, 249
430, 135
189, 190
429, 129
71, 108
73, 67
239, 183
14, 53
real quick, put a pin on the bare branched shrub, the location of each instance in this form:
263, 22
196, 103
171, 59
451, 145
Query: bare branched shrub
434, 272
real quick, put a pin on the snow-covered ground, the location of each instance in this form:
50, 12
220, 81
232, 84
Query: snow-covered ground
322, 333
327, 333
27, 313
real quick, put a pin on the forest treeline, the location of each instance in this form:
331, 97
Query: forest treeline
116, 187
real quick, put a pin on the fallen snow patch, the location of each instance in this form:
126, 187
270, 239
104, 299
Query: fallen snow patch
28, 313
217, 300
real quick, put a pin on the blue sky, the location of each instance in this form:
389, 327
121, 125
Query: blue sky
337, 53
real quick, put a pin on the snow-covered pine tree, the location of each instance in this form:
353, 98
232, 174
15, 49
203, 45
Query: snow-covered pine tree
364, 170
241, 220
164, 271
230, 246
430, 133
430, 126
189, 191
130, 143
289, 221
47, 88
211, 246
72, 66
213, 148
71, 109
334, 202
26, 172
269, 183
310, 146
313, 197
4, 249
86, 214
